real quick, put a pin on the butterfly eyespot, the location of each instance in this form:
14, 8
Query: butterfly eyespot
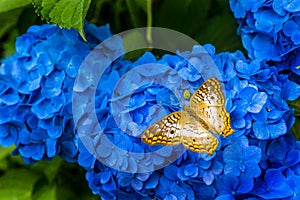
172, 131
194, 140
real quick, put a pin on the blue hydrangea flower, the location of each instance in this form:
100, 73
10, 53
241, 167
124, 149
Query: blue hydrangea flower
242, 160
259, 160
169, 189
273, 185
270, 29
230, 187
256, 101
36, 92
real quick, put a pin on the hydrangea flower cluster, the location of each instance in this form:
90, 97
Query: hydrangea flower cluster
37, 83
260, 160
270, 30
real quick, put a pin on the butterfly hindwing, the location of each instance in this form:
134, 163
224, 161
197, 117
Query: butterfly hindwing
166, 131
195, 135
218, 118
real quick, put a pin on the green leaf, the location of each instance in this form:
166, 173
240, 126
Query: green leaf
296, 127
185, 16
221, 32
44, 192
65, 13
142, 4
133, 12
71, 183
131, 41
9, 44
8, 5
296, 105
4, 154
8, 20
223, 4
295, 130
49, 167
17, 184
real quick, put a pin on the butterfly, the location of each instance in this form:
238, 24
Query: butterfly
193, 125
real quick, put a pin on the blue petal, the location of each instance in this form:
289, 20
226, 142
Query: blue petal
104, 177
253, 170
260, 130
157, 160
291, 91
37, 151
277, 129
273, 178
137, 101
238, 9
137, 184
225, 197
144, 59
252, 153
258, 101
232, 152
24, 136
171, 172
290, 27
112, 159
293, 183
190, 170
132, 165
152, 182
292, 6
293, 157
208, 178
246, 185
72, 68
278, 7
51, 147
10, 98
104, 150
264, 47
204, 164
170, 197
248, 93
55, 79
142, 176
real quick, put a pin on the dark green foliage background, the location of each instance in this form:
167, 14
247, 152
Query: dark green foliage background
205, 21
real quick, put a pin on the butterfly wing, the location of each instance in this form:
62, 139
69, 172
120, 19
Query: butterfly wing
196, 137
208, 102
166, 131
181, 127
208, 94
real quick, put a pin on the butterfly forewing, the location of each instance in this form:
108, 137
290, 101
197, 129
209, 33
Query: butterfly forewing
208, 102
166, 131
208, 94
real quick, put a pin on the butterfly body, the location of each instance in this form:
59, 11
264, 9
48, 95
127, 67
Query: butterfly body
193, 126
